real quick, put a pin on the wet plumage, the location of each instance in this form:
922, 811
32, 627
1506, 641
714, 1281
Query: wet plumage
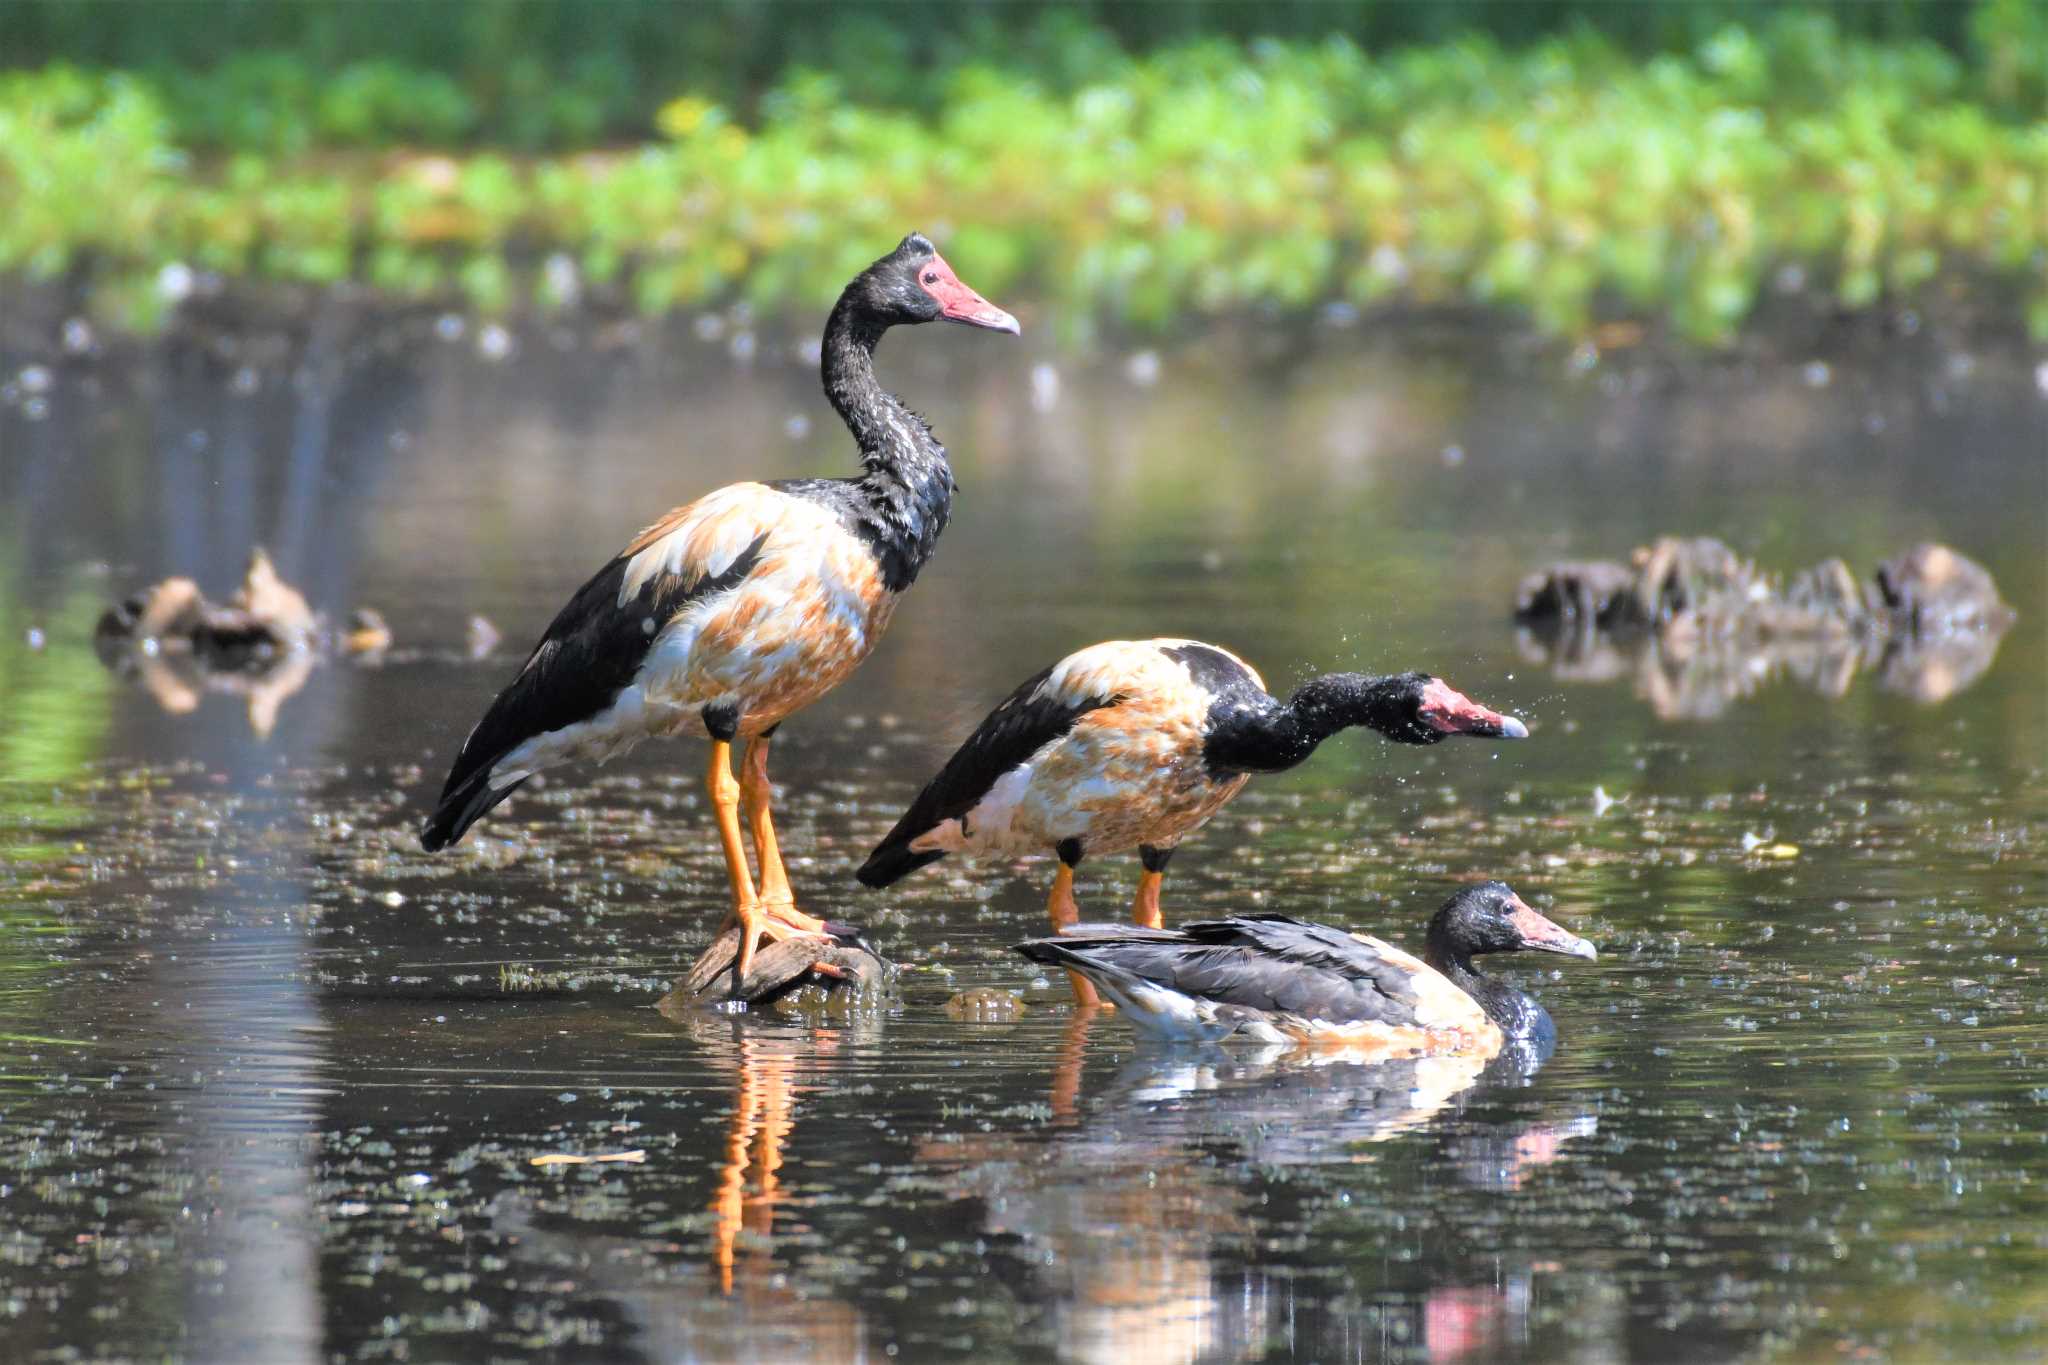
1104, 747
1272, 978
733, 612
1137, 743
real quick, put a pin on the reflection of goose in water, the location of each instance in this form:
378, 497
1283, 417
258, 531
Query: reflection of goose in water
749, 1178
772, 1069
1136, 1214
739, 1305
1278, 1105
1121, 1229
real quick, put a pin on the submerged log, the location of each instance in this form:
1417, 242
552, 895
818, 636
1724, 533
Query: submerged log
838, 960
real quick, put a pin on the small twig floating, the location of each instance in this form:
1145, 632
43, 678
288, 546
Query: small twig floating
635, 1158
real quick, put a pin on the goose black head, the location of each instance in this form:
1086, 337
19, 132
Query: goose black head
913, 284
1491, 918
1415, 708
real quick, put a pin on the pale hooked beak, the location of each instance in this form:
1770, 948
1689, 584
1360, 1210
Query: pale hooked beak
1454, 713
977, 311
1546, 935
958, 303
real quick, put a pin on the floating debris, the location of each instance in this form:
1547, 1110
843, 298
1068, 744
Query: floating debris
518, 978
1700, 626
480, 637
367, 635
636, 1157
1762, 846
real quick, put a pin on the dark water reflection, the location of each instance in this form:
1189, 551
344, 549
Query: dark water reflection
273, 1086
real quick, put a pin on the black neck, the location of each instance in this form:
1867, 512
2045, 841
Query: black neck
907, 484
1281, 734
1517, 1015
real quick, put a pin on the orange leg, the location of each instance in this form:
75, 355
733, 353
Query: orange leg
755, 792
1064, 910
725, 805
1145, 909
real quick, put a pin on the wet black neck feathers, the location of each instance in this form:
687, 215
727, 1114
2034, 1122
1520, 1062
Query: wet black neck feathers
1277, 735
1517, 1015
906, 491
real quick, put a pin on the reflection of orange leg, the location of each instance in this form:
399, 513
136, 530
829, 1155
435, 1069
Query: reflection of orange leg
755, 793
1145, 909
729, 1204
776, 1122
1068, 1061
761, 1122
1065, 910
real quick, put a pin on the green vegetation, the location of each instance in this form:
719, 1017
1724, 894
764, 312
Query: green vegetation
1575, 177
557, 75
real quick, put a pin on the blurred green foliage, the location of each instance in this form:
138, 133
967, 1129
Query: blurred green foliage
1105, 157
532, 75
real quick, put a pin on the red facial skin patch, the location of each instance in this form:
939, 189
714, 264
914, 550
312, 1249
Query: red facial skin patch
1539, 932
958, 303
1453, 713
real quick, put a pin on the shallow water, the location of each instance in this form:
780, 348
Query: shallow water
274, 1079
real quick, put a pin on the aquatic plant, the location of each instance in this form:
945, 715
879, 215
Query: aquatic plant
1568, 180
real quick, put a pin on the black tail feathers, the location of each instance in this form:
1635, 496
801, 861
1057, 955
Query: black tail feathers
1046, 951
893, 861
462, 806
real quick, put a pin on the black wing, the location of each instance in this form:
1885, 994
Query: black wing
1270, 963
587, 656
1022, 725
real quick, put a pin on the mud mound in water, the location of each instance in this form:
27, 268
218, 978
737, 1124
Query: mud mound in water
1700, 626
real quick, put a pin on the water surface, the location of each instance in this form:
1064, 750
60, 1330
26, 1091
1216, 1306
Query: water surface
274, 1079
